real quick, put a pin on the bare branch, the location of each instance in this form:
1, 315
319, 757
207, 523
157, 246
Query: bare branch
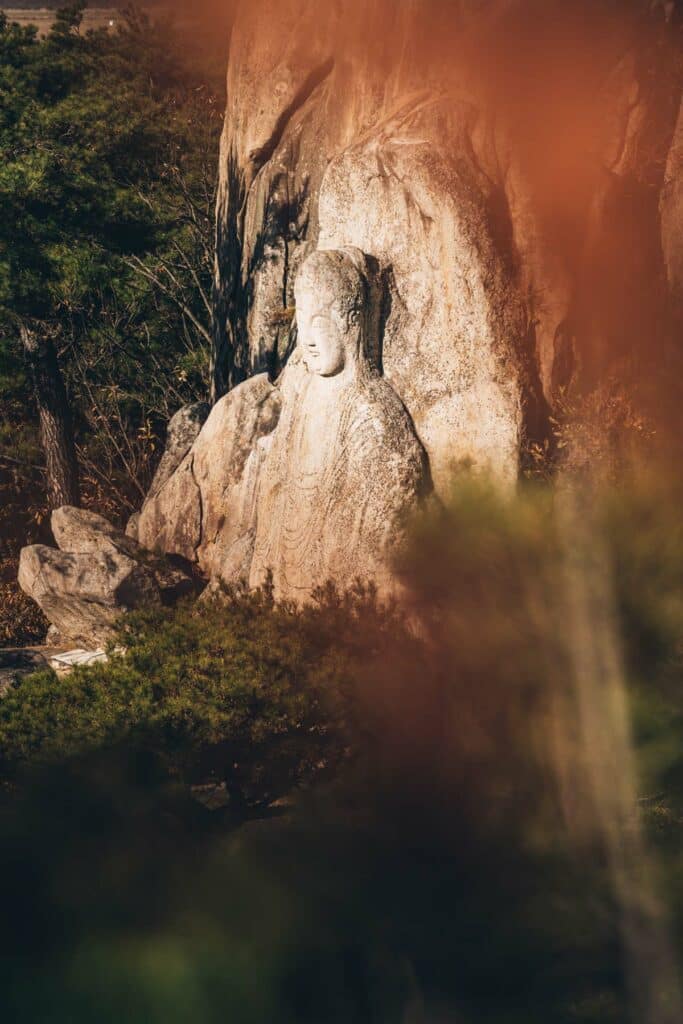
136, 264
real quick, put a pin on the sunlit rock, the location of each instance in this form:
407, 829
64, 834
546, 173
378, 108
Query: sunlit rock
452, 324
84, 594
97, 574
205, 510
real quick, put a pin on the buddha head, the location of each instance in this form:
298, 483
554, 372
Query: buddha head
332, 311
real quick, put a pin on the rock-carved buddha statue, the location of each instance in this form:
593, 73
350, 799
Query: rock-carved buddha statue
344, 466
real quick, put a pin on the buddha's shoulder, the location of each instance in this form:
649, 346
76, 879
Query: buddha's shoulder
376, 401
379, 418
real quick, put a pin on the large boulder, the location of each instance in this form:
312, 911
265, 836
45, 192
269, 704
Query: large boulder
96, 574
204, 511
84, 594
81, 532
183, 428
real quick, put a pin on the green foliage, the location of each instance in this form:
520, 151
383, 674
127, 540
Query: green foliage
108, 155
108, 143
68, 150
240, 692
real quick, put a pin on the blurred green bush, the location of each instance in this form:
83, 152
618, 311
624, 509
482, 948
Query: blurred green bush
397, 838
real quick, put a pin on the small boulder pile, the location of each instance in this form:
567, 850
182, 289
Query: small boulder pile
95, 574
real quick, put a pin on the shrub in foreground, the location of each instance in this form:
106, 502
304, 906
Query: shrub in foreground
440, 874
236, 691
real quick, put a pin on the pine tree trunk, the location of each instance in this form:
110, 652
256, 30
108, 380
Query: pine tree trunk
56, 432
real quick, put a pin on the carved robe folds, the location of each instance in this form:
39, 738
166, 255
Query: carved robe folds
344, 469
345, 465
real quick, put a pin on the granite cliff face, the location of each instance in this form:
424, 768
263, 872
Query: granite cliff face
503, 162
333, 138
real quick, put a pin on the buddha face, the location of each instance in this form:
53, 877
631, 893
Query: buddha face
323, 338
330, 292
